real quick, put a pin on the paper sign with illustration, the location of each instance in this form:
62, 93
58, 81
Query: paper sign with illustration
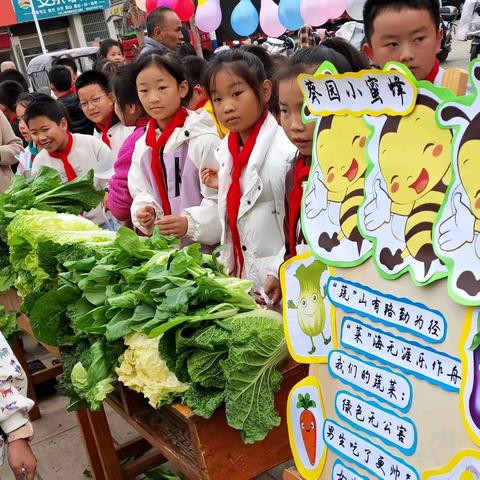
335, 189
309, 318
457, 232
406, 184
306, 415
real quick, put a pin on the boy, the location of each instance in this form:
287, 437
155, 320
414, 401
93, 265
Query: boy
97, 103
72, 155
60, 83
406, 31
9, 93
70, 63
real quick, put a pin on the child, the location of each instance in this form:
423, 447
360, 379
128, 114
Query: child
346, 59
254, 159
9, 93
14, 408
164, 178
407, 31
112, 50
131, 113
197, 98
60, 83
97, 103
70, 63
72, 155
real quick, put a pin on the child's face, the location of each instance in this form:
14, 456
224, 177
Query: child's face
22, 126
48, 134
408, 36
96, 103
129, 116
160, 94
235, 103
115, 55
291, 104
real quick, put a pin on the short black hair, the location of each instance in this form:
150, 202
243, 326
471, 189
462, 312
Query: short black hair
46, 107
107, 44
9, 93
16, 76
123, 86
93, 77
66, 62
195, 68
169, 62
156, 18
373, 8
61, 78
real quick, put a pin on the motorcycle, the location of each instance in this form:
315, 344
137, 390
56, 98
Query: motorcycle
448, 16
475, 36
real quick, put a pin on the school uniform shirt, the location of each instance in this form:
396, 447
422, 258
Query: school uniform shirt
14, 403
87, 153
187, 151
117, 134
262, 209
25, 160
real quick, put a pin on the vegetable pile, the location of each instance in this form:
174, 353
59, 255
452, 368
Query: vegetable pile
165, 321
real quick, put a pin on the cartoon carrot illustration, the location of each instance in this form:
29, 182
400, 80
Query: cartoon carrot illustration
308, 426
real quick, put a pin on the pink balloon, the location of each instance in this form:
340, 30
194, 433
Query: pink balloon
165, 3
209, 16
317, 12
269, 20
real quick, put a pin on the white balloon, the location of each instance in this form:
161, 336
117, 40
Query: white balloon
355, 9
141, 4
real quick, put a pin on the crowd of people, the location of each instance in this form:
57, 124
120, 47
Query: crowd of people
211, 152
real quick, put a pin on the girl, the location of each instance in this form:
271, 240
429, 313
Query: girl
131, 113
346, 59
164, 178
112, 50
26, 157
254, 159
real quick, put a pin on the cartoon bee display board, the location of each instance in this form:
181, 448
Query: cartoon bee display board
309, 317
407, 180
457, 232
335, 189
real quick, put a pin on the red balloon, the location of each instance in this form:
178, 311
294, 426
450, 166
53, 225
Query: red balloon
184, 9
150, 5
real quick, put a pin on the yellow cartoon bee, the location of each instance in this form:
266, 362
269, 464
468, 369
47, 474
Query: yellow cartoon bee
414, 161
338, 184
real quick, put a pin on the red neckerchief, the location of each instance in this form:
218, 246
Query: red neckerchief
104, 127
433, 74
240, 157
63, 156
201, 103
68, 92
157, 145
300, 174
12, 118
142, 122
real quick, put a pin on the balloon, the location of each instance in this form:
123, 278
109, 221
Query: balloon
165, 3
150, 5
269, 19
355, 9
289, 14
317, 12
141, 4
244, 18
184, 9
209, 16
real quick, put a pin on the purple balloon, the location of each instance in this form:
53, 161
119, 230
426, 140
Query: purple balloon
165, 3
209, 16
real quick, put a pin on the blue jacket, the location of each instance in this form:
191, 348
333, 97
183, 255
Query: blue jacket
151, 44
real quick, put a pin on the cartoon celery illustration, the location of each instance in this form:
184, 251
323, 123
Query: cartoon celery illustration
311, 310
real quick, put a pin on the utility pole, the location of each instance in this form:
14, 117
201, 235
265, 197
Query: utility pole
37, 26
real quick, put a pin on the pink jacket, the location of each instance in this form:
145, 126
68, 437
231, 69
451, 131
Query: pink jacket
119, 199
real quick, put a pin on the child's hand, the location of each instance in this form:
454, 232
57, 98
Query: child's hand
146, 217
173, 225
210, 177
20, 456
272, 289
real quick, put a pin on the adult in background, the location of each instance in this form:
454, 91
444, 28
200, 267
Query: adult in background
164, 30
60, 83
10, 146
8, 65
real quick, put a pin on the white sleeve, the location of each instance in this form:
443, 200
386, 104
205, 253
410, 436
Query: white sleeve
103, 170
14, 404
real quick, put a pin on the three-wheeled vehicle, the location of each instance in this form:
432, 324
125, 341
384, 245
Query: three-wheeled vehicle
38, 67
